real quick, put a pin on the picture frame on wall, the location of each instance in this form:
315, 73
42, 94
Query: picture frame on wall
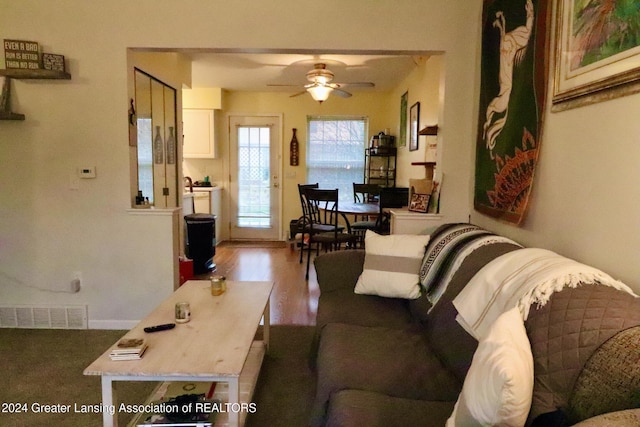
414, 122
402, 138
595, 62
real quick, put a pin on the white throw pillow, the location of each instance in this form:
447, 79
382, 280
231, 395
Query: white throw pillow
391, 265
498, 388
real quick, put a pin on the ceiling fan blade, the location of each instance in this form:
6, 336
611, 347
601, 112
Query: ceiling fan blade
357, 84
281, 85
341, 93
298, 94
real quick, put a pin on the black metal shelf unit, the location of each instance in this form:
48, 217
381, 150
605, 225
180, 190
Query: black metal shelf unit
380, 166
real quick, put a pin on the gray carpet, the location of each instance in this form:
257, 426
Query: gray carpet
44, 367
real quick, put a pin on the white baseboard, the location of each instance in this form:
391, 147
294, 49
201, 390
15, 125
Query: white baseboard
113, 324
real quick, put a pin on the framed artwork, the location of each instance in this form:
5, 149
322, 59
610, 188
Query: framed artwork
419, 202
414, 121
597, 51
402, 139
513, 88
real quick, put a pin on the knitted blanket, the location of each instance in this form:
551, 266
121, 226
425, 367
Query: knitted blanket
448, 247
519, 279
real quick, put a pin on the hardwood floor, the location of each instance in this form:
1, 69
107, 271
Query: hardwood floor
294, 301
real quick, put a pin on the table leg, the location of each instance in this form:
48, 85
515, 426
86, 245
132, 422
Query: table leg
346, 220
234, 402
108, 399
266, 325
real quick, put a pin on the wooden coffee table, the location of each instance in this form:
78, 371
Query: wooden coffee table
216, 345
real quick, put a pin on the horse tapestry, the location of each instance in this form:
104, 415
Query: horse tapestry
512, 97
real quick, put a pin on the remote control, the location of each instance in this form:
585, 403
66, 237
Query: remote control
158, 328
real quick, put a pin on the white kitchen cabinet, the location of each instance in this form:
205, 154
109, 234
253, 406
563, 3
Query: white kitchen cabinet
199, 134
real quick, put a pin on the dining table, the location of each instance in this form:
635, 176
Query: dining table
357, 209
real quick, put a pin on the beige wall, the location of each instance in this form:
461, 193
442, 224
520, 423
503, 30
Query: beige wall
48, 231
584, 204
425, 86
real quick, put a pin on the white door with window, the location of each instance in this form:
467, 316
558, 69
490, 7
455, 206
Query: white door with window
254, 177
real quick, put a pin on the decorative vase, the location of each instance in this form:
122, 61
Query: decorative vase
158, 157
171, 147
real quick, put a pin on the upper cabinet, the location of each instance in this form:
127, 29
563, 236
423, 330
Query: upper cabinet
199, 133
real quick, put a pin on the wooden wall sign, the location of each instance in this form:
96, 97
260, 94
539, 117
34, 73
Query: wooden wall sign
21, 54
294, 150
51, 61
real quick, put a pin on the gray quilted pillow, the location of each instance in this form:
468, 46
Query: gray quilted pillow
610, 380
566, 332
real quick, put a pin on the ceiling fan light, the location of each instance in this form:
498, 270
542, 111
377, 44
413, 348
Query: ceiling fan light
320, 93
320, 74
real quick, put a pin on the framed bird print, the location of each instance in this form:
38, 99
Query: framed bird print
597, 51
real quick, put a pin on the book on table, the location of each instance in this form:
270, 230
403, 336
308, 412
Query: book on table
129, 349
165, 407
161, 420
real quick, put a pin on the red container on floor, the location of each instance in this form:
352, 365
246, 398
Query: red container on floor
186, 270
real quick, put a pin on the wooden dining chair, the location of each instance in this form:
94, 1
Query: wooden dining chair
364, 193
326, 203
312, 221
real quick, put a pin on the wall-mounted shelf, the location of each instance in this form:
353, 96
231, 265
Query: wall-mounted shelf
35, 74
8, 115
21, 74
429, 130
429, 168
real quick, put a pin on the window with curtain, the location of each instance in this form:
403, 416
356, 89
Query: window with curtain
335, 152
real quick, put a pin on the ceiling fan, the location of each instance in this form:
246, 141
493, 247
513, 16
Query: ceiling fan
321, 86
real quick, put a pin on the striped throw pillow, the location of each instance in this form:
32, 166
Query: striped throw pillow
391, 265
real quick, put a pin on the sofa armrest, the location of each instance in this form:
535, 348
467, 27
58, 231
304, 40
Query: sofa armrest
626, 418
338, 270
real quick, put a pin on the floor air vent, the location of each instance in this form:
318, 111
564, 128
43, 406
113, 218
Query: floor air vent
42, 316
